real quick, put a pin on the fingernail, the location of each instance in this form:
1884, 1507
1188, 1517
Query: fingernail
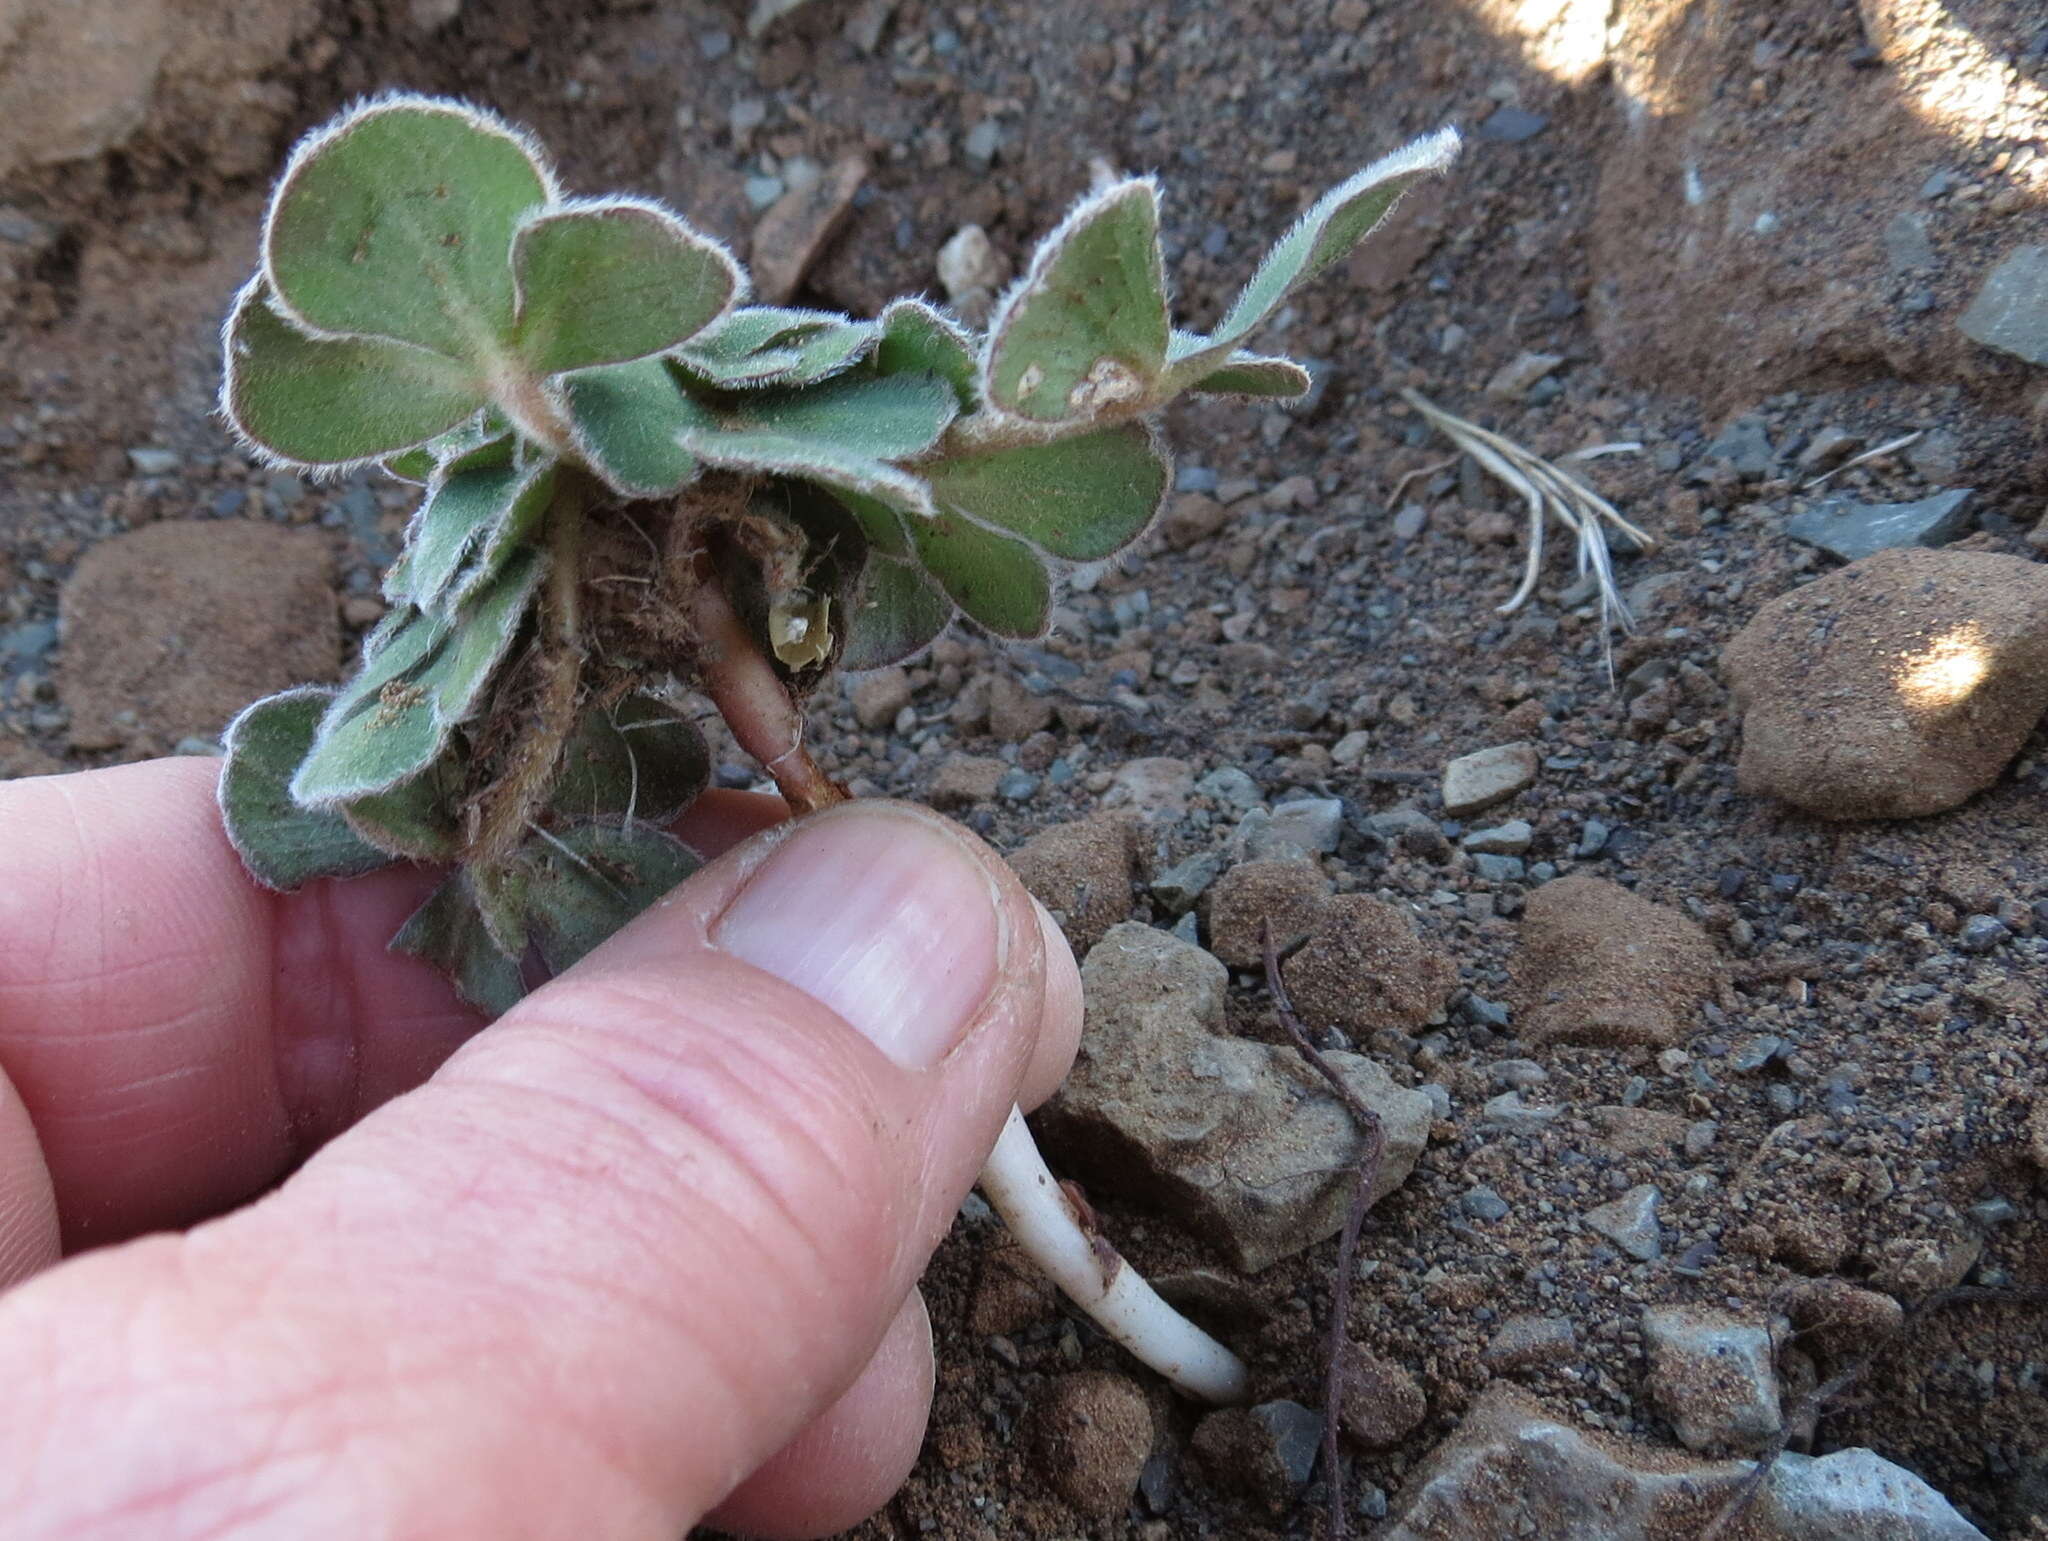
882, 916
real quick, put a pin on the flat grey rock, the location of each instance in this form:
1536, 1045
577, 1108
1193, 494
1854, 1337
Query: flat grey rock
1851, 530
2010, 311
1512, 1469
1238, 1140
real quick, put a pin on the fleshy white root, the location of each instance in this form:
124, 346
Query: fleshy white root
1097, 1279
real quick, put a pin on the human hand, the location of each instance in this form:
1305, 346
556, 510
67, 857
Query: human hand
643, 1253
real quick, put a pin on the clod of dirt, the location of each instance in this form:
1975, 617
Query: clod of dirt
1381, 1402
1265, 1452
1082, 873
80, 76
1010, 1293
1527, 1341
172, 629
1238, 1140
1895, 687
1838, 1321
1089, 1435
1712, 1378
963, 780
1290, 894
878, 696
1511, 1469
1365, 968
1597, 964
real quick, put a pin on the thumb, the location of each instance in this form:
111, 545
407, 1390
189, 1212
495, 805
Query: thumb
616, 1253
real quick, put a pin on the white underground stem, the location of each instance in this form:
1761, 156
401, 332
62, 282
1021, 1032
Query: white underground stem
1020, 1189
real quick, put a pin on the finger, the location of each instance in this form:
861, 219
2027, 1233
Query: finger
720, 819
847, 1463
1059, 1037
609, 1261
179, 1036
859, 1452
182, 1038
28, 1208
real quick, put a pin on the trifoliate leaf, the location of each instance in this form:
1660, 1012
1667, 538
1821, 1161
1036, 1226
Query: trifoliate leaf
1338, 221
998, 581
448, 931
1082, 498
638, 760
764, 345
895, 612
281, 843
396, 221
586, 882
312, 403
605, 281
1085, 330
628, 420
918, 339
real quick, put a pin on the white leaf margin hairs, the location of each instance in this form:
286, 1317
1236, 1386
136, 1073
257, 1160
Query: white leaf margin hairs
256, 290
739, 286
1048, 252
1431, 155
351, 118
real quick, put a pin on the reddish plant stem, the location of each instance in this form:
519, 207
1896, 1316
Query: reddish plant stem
1365, 1178
748, 693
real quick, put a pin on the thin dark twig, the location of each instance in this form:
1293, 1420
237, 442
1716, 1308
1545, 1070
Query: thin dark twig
1814, 1402
1365, 1178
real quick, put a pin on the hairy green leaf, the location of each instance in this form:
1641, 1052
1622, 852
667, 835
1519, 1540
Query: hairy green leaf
1083, 498
1000, 582
463, 514
586, 882
764, 345
919, 339
448, 931
312, 403
425, 675
484, 439
628, 421
1256, 374
380, 730
1338, 221
605, 281
639, 760
281, 843
1086, 329
417, 820
880, 524
830, 466
396, 221
885, 419
508, 534
896, 612
411, 465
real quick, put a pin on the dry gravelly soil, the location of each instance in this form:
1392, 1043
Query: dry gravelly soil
1901, 1097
